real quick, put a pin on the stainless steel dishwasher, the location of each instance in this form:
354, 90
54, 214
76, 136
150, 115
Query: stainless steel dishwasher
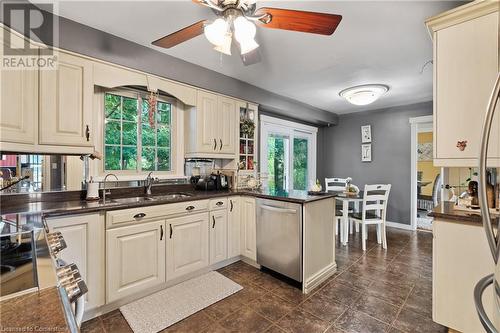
279, 237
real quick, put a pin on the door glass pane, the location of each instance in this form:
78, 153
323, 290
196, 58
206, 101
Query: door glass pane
300, 164
277, 160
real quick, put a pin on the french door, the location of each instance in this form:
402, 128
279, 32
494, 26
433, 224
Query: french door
288, 154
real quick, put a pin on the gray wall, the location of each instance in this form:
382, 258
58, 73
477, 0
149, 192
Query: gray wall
83, 39
339, 153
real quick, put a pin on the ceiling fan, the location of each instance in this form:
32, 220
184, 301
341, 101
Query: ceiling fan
238, 18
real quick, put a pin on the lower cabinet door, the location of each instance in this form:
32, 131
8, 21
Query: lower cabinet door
248, 228
187, 244
135, 259
218, 236
84, 236
234, 227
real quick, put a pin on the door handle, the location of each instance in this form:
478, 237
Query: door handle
220, 144
161, 232
231, 203
213, 224
493, 241
215, 144
279, 210
171, 231
87, 132
139, 216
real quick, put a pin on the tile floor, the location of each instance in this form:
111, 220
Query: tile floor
376, 291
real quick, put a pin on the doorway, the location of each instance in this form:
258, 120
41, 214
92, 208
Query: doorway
426, 179
288, 154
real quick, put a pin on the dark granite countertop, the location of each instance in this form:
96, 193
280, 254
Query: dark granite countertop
37, 311
61, 207
446, 210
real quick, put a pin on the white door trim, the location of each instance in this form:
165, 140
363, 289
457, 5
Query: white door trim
290, 130
417, 124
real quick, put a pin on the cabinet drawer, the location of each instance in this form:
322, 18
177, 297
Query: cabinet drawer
120, 217
218, 203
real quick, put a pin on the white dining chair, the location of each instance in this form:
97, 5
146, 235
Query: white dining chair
338, 184
374, 211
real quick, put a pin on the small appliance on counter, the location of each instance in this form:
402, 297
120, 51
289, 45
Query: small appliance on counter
203, 177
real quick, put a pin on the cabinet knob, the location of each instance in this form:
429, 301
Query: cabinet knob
461, 145
87, 132
139, 216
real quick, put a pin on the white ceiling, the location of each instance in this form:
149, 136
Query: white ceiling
376, 42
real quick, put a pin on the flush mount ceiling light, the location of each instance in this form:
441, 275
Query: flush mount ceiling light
365, 94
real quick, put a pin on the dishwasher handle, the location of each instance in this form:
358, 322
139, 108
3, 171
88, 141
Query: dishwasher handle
279, 210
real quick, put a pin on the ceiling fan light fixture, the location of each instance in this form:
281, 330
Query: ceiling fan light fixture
216, 31
225, 47
248, 46
244, 30
364, 94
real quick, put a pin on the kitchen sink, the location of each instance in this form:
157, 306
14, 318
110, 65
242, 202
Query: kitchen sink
163, 197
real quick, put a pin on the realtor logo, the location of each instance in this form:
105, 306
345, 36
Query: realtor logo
36, 22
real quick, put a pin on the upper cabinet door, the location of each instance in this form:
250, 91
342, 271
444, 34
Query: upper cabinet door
228, 125
18, 101
207, 123
466, 62
66, 103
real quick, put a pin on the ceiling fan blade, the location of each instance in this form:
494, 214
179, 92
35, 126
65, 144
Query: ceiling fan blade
181, 35
251, 57
298, 20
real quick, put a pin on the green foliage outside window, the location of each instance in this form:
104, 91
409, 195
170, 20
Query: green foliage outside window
130, 141
300, 164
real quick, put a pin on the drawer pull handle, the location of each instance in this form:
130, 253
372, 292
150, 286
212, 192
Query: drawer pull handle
189, 207
219, 203
171, 231
161, 232
139, 216
461, 145
231, 202
213, 224
215, 144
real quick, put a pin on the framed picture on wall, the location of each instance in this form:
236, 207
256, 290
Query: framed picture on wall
366, 153
366, 134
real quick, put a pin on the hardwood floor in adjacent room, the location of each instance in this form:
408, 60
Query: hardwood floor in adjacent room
377, 291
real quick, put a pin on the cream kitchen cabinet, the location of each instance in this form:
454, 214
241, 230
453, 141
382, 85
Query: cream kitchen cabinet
66, 101
466, 63
84, 236
218, 236
135, 259
187, 244
248, 228
234, 227
212, 127
460, 258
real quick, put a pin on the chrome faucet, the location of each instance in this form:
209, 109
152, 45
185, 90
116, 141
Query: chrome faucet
104, 186
148, 183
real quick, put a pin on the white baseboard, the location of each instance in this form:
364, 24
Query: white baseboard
399, 225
